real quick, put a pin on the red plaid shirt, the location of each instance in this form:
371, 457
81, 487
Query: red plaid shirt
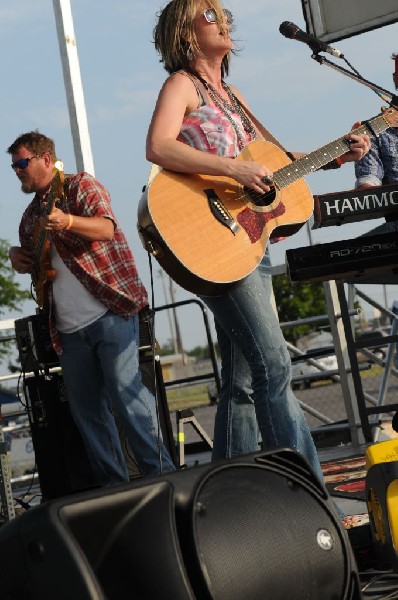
106, 268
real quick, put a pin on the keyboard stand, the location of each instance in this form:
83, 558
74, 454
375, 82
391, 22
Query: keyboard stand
183, 417
362, 428
350, 380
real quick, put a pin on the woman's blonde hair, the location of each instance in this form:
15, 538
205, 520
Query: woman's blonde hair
175, 27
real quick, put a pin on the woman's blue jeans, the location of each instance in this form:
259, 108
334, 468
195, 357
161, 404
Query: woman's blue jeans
256, 375
100, 365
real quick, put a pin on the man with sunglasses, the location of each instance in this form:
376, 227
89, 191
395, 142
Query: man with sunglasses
94, 304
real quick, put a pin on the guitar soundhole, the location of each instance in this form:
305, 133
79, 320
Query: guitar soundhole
265, 199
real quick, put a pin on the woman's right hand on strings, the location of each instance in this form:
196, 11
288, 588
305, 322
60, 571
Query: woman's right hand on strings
251, 174
21, 260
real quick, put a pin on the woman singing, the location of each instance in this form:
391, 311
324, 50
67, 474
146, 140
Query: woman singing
199, 125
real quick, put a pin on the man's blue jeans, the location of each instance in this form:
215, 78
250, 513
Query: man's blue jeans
256, 372
100, 366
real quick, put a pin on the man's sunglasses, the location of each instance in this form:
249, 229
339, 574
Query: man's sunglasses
211, 16
22, 163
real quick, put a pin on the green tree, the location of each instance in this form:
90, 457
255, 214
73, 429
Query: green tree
11, 295
166, 348
296, 302
203, 352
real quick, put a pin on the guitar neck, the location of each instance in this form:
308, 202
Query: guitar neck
322, 156
41, 236
42, 271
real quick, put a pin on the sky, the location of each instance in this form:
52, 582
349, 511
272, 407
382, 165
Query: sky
304, 104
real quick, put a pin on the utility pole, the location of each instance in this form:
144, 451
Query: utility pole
166, 298
73, 86
180, 348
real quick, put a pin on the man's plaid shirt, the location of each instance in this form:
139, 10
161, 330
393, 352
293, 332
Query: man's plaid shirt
106, 268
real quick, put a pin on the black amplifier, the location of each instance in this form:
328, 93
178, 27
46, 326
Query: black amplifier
62, 463
34, 344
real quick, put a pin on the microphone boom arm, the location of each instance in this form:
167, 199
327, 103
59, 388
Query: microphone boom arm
393, 99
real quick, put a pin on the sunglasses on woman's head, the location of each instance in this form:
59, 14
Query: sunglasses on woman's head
211, 16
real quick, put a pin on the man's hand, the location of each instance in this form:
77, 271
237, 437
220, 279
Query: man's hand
359, 146
55, 221
21, 260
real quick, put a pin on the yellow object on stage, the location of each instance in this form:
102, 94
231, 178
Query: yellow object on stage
382, 500
381, 453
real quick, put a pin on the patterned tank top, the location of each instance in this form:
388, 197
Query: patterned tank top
209, 130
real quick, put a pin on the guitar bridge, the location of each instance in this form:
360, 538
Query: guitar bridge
220, 212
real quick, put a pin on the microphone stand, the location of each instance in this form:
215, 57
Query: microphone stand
393, 99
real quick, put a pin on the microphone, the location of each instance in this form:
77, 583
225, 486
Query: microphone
292, 31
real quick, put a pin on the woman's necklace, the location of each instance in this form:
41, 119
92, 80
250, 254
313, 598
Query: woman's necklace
233, 106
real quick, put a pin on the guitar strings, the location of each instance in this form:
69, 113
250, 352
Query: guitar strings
256, 196
300, 168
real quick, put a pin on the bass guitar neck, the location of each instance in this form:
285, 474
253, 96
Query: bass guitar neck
42, 273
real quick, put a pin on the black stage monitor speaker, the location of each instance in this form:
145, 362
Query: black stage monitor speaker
249, 528
61, 458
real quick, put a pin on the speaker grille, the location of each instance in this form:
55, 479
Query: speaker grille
257, 531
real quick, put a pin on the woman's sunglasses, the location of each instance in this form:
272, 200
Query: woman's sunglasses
211, 16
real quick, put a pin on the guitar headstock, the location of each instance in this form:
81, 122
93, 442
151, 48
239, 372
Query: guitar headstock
390, 116
57, 186
57, 193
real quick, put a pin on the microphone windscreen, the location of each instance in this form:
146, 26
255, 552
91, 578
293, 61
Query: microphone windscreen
288, 29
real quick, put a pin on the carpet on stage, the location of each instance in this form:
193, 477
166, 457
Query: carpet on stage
345, 477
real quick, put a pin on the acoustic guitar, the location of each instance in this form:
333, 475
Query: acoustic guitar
210, 232
43, 273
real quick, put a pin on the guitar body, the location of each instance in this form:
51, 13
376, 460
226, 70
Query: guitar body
181, 222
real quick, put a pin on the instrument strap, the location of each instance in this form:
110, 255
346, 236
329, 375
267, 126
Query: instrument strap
264, 131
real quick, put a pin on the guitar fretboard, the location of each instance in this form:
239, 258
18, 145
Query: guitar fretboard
319, 158
40, 249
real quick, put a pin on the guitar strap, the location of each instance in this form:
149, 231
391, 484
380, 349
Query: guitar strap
267, 135
155, 169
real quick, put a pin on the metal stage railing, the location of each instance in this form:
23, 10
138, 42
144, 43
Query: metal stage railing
362, 421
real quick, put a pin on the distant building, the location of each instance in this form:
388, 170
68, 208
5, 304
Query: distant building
7, 329
315, 339
176, 366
